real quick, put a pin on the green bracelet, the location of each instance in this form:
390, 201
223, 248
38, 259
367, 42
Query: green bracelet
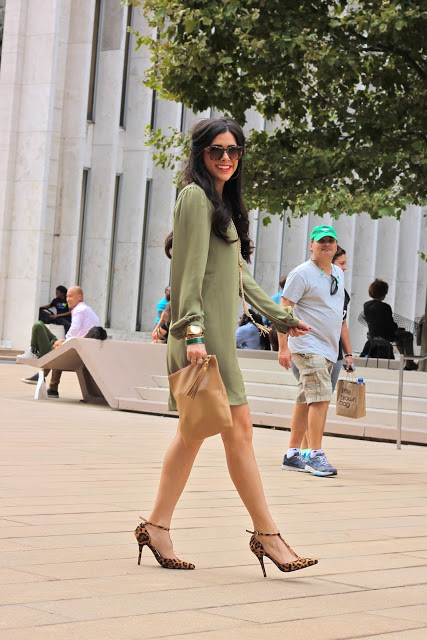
194, 341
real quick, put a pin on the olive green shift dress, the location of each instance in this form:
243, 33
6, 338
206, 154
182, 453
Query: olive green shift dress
205, 292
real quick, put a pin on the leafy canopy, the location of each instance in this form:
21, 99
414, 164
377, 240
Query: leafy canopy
341, 86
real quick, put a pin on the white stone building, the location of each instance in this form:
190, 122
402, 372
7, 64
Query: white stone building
82, 203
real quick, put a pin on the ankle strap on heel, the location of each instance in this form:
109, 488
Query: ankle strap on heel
153, 525
258, 533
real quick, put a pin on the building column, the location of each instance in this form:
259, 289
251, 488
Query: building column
29, 55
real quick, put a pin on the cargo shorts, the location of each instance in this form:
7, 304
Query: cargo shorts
314, 383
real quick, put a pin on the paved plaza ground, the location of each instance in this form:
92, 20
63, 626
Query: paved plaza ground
75, 478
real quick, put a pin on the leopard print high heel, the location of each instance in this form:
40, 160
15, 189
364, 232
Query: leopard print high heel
257, 548
143, 538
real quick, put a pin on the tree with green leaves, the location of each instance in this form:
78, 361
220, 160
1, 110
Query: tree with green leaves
342, 88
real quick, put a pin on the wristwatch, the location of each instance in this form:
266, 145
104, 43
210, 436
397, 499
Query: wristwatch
194, 331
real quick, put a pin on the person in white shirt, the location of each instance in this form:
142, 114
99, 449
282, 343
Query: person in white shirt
315, 289
83, 318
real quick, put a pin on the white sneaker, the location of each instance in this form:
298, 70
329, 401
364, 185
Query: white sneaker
30, 355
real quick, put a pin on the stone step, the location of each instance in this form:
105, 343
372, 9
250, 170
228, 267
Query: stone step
380, 395
269, 363
380, 410
9, 355
388, 417
413, 389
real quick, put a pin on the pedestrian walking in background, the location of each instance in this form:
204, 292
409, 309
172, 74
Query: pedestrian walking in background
315, 289
340, 260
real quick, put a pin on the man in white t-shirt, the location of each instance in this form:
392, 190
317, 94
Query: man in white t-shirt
316, 291
83, 318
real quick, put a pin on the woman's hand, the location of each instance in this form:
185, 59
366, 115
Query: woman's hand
196, 352
300, 330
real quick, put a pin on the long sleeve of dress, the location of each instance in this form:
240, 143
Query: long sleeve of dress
191, 236
281, 317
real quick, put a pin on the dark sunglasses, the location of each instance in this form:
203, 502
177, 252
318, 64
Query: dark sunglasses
334, 285
216, 152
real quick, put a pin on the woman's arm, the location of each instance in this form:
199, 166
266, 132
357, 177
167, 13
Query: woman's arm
191, 237
281, 317
155, 334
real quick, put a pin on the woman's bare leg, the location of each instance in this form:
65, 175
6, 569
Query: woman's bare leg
177, 465
245, 475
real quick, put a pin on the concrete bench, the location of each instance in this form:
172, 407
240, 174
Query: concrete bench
109, 371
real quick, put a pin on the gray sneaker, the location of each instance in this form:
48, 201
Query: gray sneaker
319, 466
295, 463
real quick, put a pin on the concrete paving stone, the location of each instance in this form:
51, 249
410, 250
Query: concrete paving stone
15, 576
112, 567
415, 612
114, 517
10, 522
131, 583
411, 634
77, 554
403, 532
13, 545
34, 511
380, 579
83, 540
128, 628
12, 616
386, 601
240, 539
334, 627
371, 512
418, 554
336, 566
259, 590
390, 545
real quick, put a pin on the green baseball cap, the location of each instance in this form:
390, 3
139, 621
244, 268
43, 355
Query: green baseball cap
321, 231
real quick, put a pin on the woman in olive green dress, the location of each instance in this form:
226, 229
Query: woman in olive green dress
209, 220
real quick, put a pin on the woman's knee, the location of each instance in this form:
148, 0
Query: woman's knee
242, 429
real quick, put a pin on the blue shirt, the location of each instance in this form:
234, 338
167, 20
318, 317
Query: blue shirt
248, 337
276, 298
161, 306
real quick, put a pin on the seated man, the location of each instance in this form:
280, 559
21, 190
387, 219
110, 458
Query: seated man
83, 318
62, 316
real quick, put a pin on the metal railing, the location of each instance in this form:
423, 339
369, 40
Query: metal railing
400, 395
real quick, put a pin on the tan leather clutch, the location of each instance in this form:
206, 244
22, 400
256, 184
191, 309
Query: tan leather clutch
202, 401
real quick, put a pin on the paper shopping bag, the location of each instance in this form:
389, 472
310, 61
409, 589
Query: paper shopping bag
351, 399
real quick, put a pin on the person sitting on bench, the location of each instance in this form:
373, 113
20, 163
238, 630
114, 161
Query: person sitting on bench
379, 317
62, 315
83, 318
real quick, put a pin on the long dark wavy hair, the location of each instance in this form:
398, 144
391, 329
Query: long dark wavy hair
231, 205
